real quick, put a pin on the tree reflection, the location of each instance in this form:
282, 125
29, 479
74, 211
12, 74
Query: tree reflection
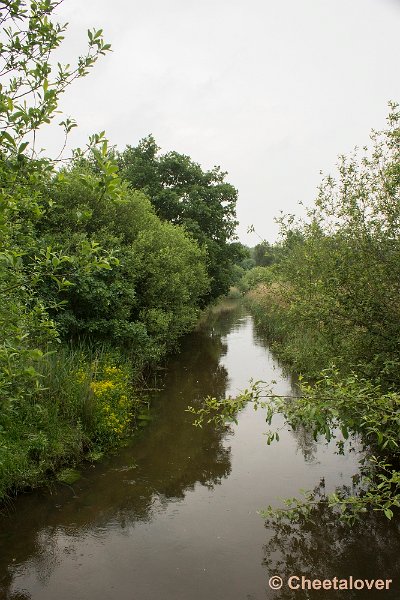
165, 462
321, 546
305, 443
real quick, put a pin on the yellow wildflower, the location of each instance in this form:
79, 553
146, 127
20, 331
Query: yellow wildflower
101, 387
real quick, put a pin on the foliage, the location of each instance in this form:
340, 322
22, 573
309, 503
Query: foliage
234, 293
154, 287
183, 194
331, 310
82, 255
342, 264
255, 276
30, 90
28, 99
300, 347
86, 406
109, 390
333, 408
263, 254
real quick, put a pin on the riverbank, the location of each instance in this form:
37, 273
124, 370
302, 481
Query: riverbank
175, 513
336, 395
85, 405
90, 401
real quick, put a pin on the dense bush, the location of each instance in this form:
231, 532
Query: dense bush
332, 306
87, 405
150, 295
254, 277
93, 284
200, 201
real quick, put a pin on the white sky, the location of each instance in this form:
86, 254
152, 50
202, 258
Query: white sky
272, 91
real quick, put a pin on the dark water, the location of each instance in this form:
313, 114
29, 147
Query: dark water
173, 516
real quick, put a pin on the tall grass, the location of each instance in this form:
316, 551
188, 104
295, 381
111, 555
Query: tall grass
85, 403
302, 348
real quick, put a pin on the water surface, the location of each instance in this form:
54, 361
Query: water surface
174, 515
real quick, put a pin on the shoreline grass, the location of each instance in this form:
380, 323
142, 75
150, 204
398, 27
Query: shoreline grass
84, 405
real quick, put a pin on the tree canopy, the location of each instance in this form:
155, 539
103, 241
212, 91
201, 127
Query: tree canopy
94, 284
184, 194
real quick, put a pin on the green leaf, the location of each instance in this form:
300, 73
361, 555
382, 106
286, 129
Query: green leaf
388, 513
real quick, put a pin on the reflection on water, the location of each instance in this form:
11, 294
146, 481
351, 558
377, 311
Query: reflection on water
174, 514
325, 548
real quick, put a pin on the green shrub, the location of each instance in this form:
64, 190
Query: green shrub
85, 403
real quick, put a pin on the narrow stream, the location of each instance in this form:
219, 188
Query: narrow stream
174, 515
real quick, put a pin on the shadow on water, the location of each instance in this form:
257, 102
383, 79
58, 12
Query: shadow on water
174, 514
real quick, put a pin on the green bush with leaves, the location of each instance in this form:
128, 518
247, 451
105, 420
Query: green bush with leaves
30, 90
342, 268
150, 296
256, 276
332, 312
84, 403
83, 258
200, 201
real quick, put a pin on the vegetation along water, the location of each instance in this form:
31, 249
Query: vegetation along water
107, 260
174, 514
103, 267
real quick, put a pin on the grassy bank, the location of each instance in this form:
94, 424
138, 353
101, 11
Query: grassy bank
329, 303
303, 347
347, 388
83, 404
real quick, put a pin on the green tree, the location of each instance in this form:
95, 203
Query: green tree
263, 254
29, 94
342, 264
183, 194
151, 294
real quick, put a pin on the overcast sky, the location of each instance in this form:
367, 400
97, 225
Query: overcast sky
272, 91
